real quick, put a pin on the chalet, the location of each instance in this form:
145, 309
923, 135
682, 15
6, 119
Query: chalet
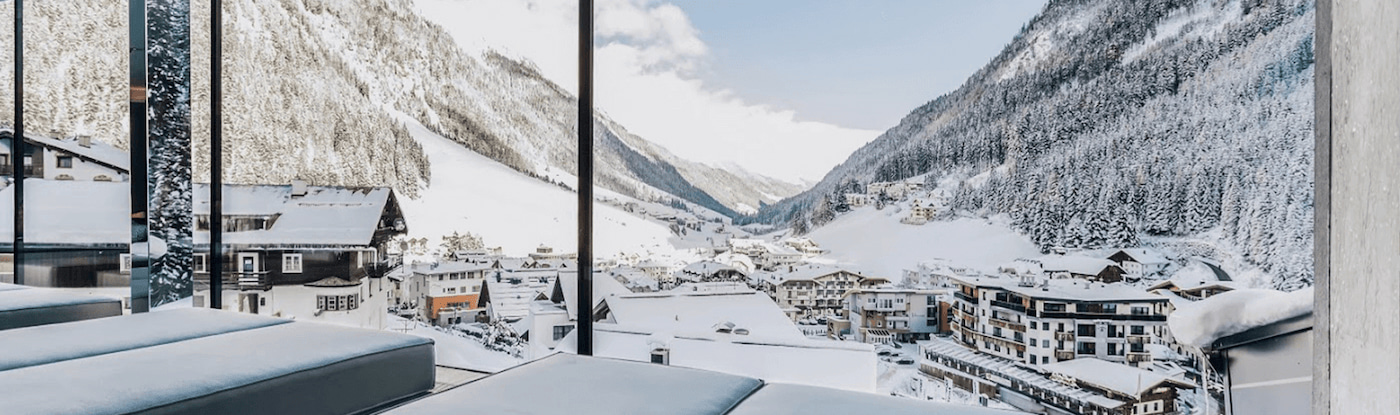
920, 212
813, 291
76, 158
1194, 289
1082, 267
1140, 262
806, 246
1141, 391
75, 235
282, 238
450, 285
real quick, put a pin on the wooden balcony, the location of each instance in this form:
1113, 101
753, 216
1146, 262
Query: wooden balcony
1139, 339
1007, 324
1064, 336
254, 281
1064, 355
1139, 357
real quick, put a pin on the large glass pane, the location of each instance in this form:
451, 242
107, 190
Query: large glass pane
77, 171
388, 169
1004, 204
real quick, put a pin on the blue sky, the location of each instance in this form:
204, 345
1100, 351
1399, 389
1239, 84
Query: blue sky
857, 64
784, 88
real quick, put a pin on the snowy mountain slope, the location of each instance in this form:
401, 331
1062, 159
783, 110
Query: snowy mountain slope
498, 107
305, 84
472, 193
1173, 118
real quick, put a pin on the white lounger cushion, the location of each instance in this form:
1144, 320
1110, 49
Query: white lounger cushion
25, 307
296, 368
31, 346
574, 385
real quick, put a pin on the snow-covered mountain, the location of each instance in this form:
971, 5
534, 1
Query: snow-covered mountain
1188, 121
309, 87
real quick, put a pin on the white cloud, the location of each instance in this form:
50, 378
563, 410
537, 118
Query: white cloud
647, 52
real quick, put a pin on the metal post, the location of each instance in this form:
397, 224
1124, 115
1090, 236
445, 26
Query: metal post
216, 161
140, 246
585, 177
17, 144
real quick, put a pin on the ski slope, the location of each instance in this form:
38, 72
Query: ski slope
875, 243
472, 193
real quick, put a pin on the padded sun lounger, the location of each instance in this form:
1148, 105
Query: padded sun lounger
26, 307
784, 399
294, 368
32, 346
569, 384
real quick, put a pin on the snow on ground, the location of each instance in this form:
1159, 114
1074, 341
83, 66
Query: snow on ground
874, 242
472, 193
456, 351
1224, 314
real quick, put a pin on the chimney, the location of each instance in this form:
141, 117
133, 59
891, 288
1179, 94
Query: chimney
298, 188
85, 141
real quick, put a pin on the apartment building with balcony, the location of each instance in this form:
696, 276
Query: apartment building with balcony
886, 315
1041, 321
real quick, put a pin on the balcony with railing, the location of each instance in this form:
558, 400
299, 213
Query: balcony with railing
1064, 336
1139, 339
1017, 307
963, 296
254, 280
1064, 355
1007, 324
1139, 357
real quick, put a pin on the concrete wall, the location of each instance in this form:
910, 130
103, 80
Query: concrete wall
1357, 360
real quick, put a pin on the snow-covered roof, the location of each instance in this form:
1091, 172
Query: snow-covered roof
604, 287
65, 212
1195, 277
1075, 264
449, 267
697, 312
1065, 289
1144, 255
512, 301
326, 215
825, 363
696, 270
807, 272
1115, 377
334, 282
511, 263
1009, 369
1203, 322
97, 151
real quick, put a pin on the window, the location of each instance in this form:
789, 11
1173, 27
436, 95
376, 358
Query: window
1086, 330
65, 162
1135, 347
561, 331
1087, 348
338, 302
1140, 311
1055, 307
1136, 330
1113, 349
291, 263
1045, 360
201, 263
1045, 343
